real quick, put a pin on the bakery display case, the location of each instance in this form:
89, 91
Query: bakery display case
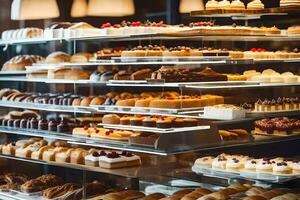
151, 110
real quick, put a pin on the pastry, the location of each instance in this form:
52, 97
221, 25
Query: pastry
237, 4
136, 121
111, 119
19, 62
86, 101
58, 73
112, 160
149, 122
153, 196
125, 120
92, 159
63, 127
64, 156
97, 101
41, 183
131, 159
43, 124
234, 165
81, 57
164, 123
57, 57
255, 5
50, 152
212, 5
204, 161
264, 166
77, 156
125, 195
57, 191
77, 74
142, 74
9, 149
52, 125
282, 168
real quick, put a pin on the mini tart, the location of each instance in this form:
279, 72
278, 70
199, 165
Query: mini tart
282, 168
178, 123
114, 135
189, 122
164, 123
149, 122
136, 121
234, 165
204, 161
125, 120
264, 167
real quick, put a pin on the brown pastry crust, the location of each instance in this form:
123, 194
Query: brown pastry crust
57, 57
81, 57
77, 74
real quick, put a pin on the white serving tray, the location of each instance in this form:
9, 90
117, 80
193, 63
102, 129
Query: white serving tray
153, 129
143, 109
274, 178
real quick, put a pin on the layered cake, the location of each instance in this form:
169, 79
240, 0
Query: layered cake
279, 104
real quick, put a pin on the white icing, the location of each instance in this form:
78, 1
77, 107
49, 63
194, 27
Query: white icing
296, 166
204, 161
91, 158
112, 160
266, 166
281, 168
132, 158
219, 164
250, 165
232, 164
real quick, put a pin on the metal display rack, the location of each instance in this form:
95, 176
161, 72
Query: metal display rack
171, 142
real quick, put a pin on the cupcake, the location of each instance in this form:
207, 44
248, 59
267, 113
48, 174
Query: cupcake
63, 127
17, 123
23, 123
237, 4
189, 122
212, 5
136, 121
149, 122
255, 5
164, 123
178, 123
34, 123
5, 122
52, 125
282, 168
204, 161
10, 123
125, 120
43, 124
